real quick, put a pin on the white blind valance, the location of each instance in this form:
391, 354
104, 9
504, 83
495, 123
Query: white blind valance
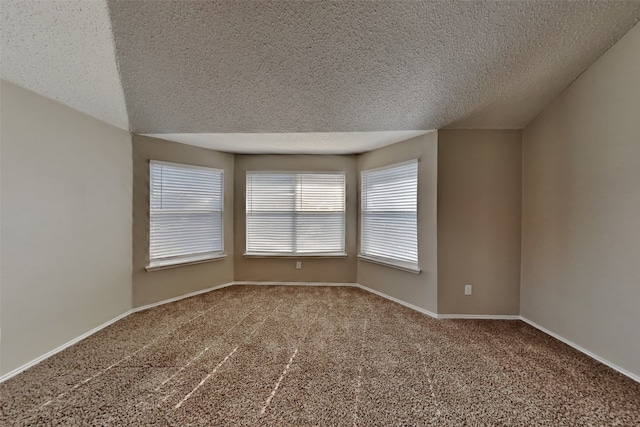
295, 213
389, 205
186, 207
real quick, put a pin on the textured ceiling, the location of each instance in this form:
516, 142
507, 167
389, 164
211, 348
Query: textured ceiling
293, 143
335, 70
238, 66
64, 51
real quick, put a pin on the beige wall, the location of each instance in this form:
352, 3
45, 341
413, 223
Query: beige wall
339, 270
417, 289
66, 224
581, 210
154, 286
479, 217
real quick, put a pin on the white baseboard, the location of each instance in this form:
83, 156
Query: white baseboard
62, 347
480, 316
104, 325
178, 298
245, 282
383, 295
441, 316
399, 301
583, 350
507, 317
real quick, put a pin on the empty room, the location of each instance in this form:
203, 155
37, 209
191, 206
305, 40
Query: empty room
362, 213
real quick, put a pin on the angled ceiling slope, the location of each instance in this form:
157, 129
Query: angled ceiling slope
306, 67
352, 66
64, 51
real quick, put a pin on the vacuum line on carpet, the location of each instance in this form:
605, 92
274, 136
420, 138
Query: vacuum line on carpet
261, 323
209, 375
183, 368
85, 381
293, 356
275, 389
206, 349
359, 379
426, 371
424, 364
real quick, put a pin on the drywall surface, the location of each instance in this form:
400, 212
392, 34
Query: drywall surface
581, 210
158, 285
479, 217
344, 66
417, 289
292, 143
66, 224
64, 50
314, 269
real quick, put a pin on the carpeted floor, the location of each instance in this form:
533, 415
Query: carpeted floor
281, 355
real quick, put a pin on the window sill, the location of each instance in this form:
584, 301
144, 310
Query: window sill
272, 255
404, 266
180, 262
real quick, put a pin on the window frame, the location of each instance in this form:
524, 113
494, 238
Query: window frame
338, 254
387, 261
196, 258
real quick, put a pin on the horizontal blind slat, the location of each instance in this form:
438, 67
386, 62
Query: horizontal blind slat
389, 213
295, 212
186, 211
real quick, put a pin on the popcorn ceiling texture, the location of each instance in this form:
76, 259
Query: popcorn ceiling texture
282, 355
286, 66
64, 51
243, 66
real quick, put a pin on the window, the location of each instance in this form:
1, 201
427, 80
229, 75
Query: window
295, 213
186, 206
388, 223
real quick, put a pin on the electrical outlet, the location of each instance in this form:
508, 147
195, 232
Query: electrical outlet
298, 265
467, 289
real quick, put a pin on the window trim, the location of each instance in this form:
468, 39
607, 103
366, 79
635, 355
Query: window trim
389, 262
334, 254
185, 260
303, 255
197, 258
399, 264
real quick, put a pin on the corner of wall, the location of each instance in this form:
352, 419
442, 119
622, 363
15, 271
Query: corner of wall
479, 221
581, 200
151, 287
419, 290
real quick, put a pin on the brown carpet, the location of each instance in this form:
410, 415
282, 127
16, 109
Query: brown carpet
281, 355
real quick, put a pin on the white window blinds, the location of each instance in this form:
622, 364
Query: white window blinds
186, 207
389, 214
295, 213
